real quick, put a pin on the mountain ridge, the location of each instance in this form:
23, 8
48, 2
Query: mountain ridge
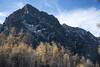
32, 26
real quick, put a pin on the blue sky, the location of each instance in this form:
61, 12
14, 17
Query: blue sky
76, 13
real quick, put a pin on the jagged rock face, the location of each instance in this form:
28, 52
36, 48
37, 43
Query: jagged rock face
39, 26
81, 41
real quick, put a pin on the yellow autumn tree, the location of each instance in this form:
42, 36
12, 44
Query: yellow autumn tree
44, 55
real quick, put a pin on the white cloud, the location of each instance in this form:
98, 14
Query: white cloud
1, 20
83, 18
20, 4
3, 14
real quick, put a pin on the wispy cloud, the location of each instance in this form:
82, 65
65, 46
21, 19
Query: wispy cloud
20, 4
3, 14
52, 6
84, 18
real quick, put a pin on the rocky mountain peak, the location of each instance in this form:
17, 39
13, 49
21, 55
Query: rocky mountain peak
30, 15
28, 9
33, 26
28, 6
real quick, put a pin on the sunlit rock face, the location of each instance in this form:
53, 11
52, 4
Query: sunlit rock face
29, 25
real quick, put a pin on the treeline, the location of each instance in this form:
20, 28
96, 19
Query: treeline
44, 55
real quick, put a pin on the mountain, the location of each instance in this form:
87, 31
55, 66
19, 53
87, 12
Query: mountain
31, 26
